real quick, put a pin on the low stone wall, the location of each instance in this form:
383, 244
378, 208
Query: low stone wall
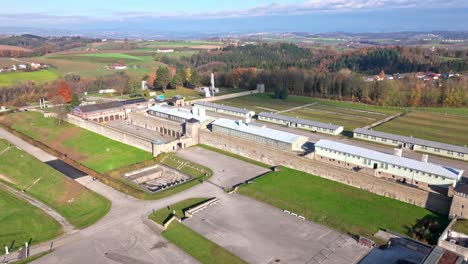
273, 156
191, 211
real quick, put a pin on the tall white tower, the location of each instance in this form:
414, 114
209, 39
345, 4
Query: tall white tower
212, 85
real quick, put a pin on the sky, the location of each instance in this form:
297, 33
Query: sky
241, 16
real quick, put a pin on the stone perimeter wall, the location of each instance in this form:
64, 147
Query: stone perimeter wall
433, 201
128, 138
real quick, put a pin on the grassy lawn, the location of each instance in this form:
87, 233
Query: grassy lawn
42, 76
21, 221
230, 154
326, 114
437, 127
189, 94
80, 206
339, 206
117, 56
190, 241
461, 226
90, 149
161, 215
262, 102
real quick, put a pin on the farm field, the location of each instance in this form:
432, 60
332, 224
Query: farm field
22, 221
431, 126
90, 149
190, 241
42, 76
94, 64
339, 206
176, 44
80, 206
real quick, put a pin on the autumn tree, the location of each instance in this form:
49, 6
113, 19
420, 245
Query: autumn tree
64, 91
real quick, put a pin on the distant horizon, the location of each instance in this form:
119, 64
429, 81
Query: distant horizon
138, 18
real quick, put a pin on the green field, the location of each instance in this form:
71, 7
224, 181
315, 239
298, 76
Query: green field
80, 206
175, 44
431, 126
339, 206
90, 149
42, 76
21, 222
461, 226
188, 240
163, 214
94, 64
346, 117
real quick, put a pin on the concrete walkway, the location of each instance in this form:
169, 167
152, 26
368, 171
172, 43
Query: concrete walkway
296, 108
67, 227
383, 120
122, 236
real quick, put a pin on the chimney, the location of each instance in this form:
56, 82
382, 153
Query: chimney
424, 158
397, 152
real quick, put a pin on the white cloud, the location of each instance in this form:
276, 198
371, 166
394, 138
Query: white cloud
307, 7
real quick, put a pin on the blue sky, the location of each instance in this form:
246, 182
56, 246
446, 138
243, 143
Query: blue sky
239, 15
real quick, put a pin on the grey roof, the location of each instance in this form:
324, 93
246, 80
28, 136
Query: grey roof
415, 141
174, 111
299, 120
390, 159
224, 107
262, 131
109, 105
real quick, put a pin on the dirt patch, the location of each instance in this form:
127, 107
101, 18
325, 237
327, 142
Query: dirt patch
5, 178
69, 151
71, 193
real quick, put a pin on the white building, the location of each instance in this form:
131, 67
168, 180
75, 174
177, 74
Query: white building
224, 109
419, 173
417, 144
300, 123
260, 134
180, 115
164, 50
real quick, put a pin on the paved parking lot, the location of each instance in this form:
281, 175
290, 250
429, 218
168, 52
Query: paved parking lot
259, 233
227, 171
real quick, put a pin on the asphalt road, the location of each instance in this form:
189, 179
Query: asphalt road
123, 237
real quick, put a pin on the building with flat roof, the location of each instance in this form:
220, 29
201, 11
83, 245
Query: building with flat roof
300, 123
109, 111
260, 134
180, 115
422, 145
397, 168
225, 109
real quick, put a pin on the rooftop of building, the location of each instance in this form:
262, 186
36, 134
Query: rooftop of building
108, 105
416, 141
299, 120
224, 107
426, 167
262, 131
174, 111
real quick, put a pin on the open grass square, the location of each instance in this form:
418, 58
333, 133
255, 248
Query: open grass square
339, 206
444, 128
92, 150
80, 206
21, 222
